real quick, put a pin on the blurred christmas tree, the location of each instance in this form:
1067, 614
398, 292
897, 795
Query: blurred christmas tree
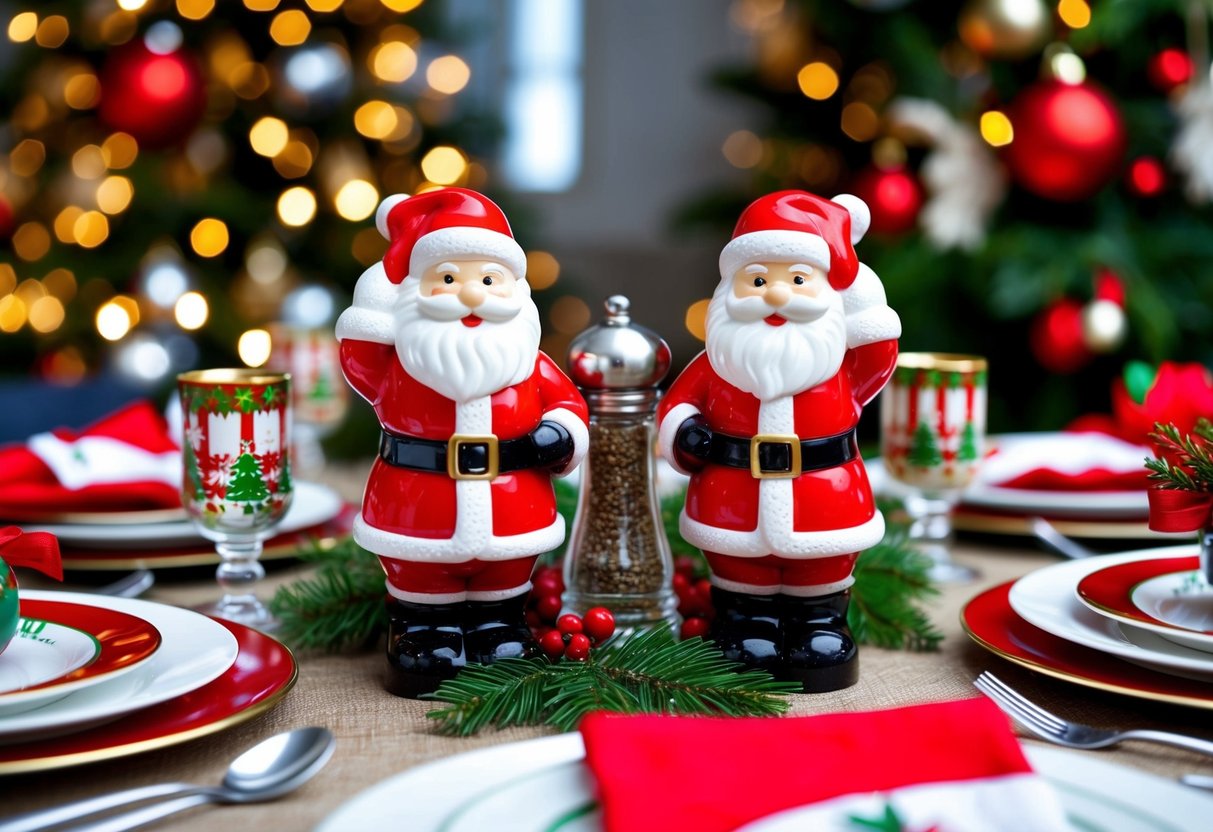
1038, 174
174, 175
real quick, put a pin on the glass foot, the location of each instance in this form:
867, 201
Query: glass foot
243, 609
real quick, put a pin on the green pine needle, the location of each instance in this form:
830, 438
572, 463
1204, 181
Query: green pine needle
1195, 469
649, 672
890, 578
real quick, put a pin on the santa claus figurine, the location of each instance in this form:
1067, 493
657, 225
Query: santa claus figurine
799, 339
443, 340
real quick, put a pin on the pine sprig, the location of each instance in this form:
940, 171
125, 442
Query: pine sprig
340, 606
649, 672
890, 578
1194, 470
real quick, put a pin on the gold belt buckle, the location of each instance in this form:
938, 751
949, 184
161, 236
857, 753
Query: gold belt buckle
452, 456
789, 439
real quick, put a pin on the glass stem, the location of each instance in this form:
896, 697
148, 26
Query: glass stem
239, 570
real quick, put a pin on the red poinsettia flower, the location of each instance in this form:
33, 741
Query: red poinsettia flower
1179, 395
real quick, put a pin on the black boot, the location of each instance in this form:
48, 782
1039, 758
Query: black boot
424, 646
818, 646
746, 629
497, 630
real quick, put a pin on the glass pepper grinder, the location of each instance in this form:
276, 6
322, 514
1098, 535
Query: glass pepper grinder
618, 555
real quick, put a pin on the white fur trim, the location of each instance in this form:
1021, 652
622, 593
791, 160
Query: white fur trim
787, 544
668, 431
426, 597
869, 316
776, 246
385, 208
498, 594
817, 590
370, 316
861, 215
464, 242
453, 550
569, 420
745, 589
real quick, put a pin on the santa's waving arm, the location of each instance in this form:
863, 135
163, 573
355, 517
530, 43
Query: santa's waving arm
366, 332
872, 326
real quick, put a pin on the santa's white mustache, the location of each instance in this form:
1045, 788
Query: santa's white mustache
448, 307
799, 309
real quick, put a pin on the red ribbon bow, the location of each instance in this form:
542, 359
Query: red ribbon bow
1172, 510
37, 550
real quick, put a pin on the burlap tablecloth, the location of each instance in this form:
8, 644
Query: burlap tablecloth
379, 735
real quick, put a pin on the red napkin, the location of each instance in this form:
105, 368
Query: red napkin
35, 550
27, 482
717, 774
1077, 460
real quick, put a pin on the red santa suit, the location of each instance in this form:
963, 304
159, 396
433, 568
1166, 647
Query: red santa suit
801, 535
443, 539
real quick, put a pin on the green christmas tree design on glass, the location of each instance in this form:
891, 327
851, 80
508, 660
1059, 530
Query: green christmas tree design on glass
967, 452
924, 450
247, 484
322, 390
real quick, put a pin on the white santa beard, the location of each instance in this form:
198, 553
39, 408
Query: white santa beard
460, 362
771, 362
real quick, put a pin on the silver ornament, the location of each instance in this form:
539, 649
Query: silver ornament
1104, 326
311, 80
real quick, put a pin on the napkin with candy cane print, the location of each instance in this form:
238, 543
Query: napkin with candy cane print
124, 461
949, 766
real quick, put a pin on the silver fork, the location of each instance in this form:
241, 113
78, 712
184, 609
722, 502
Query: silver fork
1053, 728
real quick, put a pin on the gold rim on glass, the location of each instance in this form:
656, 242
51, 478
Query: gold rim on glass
242, 375
948, 362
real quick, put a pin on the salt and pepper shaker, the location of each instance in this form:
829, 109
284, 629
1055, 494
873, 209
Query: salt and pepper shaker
618, 555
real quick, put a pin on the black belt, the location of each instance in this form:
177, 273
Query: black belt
773, 456
478, 456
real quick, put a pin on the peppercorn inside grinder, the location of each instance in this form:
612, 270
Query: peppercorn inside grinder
618, 556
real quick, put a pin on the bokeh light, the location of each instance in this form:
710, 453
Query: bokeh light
448, 74
542, 269
46, 314
23, 27
393, 62
996, 128
743, 149
114, 194
52, 32
697, 317
119, 151
195, 9
269, 136
356, 200
569, 314
31, 241
375, 119
113, 320
290, 28
254, 347
817, 80
91, 229
209, 238
444, 165
296, 206
191, 311
1074, 13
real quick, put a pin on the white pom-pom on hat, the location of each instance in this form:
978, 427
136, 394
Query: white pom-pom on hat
861, 216
384, 209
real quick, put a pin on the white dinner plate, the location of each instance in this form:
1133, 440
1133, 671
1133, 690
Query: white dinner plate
543, 785
1047, 598
194, 650
311, 505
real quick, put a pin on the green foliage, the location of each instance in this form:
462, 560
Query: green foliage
649, 672
891, 579
1194, 471
340, 606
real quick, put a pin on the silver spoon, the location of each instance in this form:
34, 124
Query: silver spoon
269, 769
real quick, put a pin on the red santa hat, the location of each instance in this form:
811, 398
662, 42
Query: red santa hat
799, 227
445, 224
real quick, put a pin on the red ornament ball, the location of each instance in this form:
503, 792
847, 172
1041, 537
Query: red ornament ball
578, 648
1069, 140
1057, 338
1109, 286
1146, 177
552, 644
599, 624
894, 196
1170, 68
694, 627
569, 624
157, 98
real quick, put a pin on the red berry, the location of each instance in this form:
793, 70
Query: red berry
704, 587
552, 643
578, 649
599, 624
548, 607
685, 565
533, 620
569, 624
693, 627
681, 582
548, 581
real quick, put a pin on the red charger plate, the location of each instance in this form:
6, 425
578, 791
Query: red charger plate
1111, 589
263, 672
990, 621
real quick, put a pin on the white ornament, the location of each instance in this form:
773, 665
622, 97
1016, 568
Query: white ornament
1103, 325
1190, 153
964, 181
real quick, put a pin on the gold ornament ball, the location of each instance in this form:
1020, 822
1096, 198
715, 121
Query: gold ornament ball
1103, 326
1005, 28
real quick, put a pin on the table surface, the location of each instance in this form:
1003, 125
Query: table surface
379, 734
